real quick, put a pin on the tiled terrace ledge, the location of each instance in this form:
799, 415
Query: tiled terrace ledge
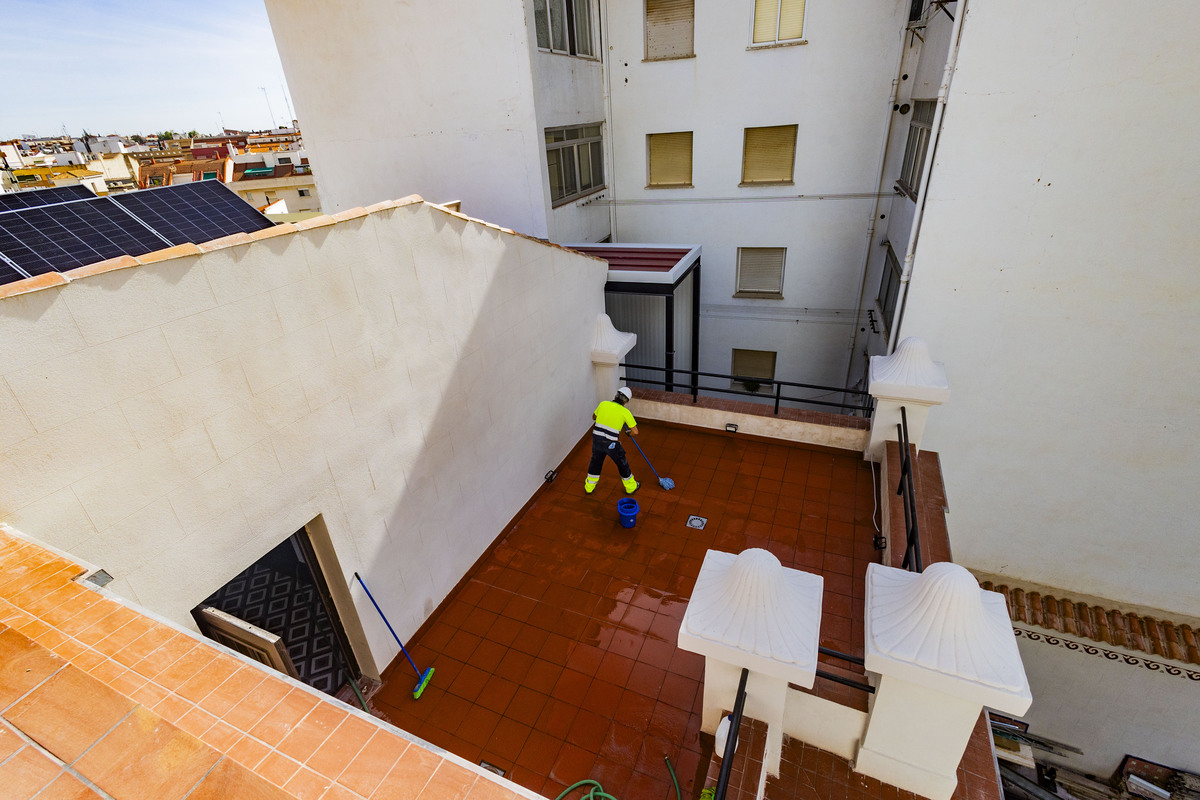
842, 431
170, 714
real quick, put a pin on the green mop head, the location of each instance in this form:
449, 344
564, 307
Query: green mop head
421, 684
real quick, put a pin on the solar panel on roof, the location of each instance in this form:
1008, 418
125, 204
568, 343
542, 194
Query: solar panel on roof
69, 235
194, 212
44, 197
64, 235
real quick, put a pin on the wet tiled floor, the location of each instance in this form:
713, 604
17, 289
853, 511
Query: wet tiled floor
555, 659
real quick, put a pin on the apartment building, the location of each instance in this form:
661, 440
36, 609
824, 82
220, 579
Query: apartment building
265, 178
687, 123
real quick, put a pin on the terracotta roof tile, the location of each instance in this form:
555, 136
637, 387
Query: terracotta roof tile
1127, 629
50, 714
166, 713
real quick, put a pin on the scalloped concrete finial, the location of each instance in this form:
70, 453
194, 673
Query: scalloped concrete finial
751, 605
610, 345
909, 373
940, 630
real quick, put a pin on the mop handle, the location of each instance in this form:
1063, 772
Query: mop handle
640, 450
389, 625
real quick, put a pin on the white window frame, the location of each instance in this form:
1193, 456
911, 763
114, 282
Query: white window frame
570, 148
303, 192
777, 42
889, 288
916, 149
765, 294
570, 12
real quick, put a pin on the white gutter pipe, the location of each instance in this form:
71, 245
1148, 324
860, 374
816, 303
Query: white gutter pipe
609, 145
926, 170
879, 188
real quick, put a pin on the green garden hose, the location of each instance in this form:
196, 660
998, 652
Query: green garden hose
596, 792
674, 780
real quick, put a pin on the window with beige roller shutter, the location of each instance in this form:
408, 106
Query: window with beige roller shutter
769, 154
756, 368
778, 21
670, 29
760, 272
669, 160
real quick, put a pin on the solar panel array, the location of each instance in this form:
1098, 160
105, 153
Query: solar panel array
62, 235
44, 197
194, 212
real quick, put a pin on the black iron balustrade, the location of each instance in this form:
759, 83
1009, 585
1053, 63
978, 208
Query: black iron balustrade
863, 405
735, 724
865, 687
912, 550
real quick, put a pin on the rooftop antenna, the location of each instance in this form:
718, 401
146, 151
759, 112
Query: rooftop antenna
291, 117
269, 111
222, 121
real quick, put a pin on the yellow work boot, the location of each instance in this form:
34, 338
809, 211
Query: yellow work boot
589, 483
631, 485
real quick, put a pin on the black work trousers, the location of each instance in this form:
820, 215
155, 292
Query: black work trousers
602, 447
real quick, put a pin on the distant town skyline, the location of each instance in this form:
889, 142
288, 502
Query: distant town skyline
117, 66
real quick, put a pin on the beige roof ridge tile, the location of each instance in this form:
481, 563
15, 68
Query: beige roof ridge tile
100, 267
350, 213
167, 253
383, 205
315, 222
34, 284
226, 241
278, 230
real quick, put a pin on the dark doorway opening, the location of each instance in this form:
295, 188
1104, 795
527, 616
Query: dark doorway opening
284, 595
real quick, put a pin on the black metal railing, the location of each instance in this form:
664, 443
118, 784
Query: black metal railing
862, 403
865, 687
906, 489
735, 724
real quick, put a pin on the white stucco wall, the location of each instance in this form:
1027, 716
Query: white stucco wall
448, 97
408, 375
1055, 277
1109, 707
837, 88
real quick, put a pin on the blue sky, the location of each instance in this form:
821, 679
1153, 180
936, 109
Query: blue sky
116, 66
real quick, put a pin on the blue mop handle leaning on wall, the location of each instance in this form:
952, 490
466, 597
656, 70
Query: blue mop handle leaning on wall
422, 677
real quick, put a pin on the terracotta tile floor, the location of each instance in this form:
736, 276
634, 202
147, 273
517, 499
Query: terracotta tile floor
556, 658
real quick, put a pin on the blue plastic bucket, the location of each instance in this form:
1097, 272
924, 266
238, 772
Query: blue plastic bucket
627, 508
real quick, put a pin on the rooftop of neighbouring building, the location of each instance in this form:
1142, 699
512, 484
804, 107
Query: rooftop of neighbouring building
99, 699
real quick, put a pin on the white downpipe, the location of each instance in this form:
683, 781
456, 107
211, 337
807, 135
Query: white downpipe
930, 153
887, 138
609, 145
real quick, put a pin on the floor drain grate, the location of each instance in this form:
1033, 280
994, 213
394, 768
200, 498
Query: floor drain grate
492, 768
697, 522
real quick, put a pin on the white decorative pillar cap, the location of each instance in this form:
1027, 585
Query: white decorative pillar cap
909, 374
751, 611
939, 630
610, 345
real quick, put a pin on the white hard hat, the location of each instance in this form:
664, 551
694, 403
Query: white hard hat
625, 390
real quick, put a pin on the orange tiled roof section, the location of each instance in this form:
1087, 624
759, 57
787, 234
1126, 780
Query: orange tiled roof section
138, 709
1158, 637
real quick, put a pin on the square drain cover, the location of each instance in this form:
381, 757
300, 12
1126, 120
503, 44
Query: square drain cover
697, 522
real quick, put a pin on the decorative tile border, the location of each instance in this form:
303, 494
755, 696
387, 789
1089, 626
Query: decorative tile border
1110, 655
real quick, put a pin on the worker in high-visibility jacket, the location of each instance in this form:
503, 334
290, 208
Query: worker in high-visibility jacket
611, 417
